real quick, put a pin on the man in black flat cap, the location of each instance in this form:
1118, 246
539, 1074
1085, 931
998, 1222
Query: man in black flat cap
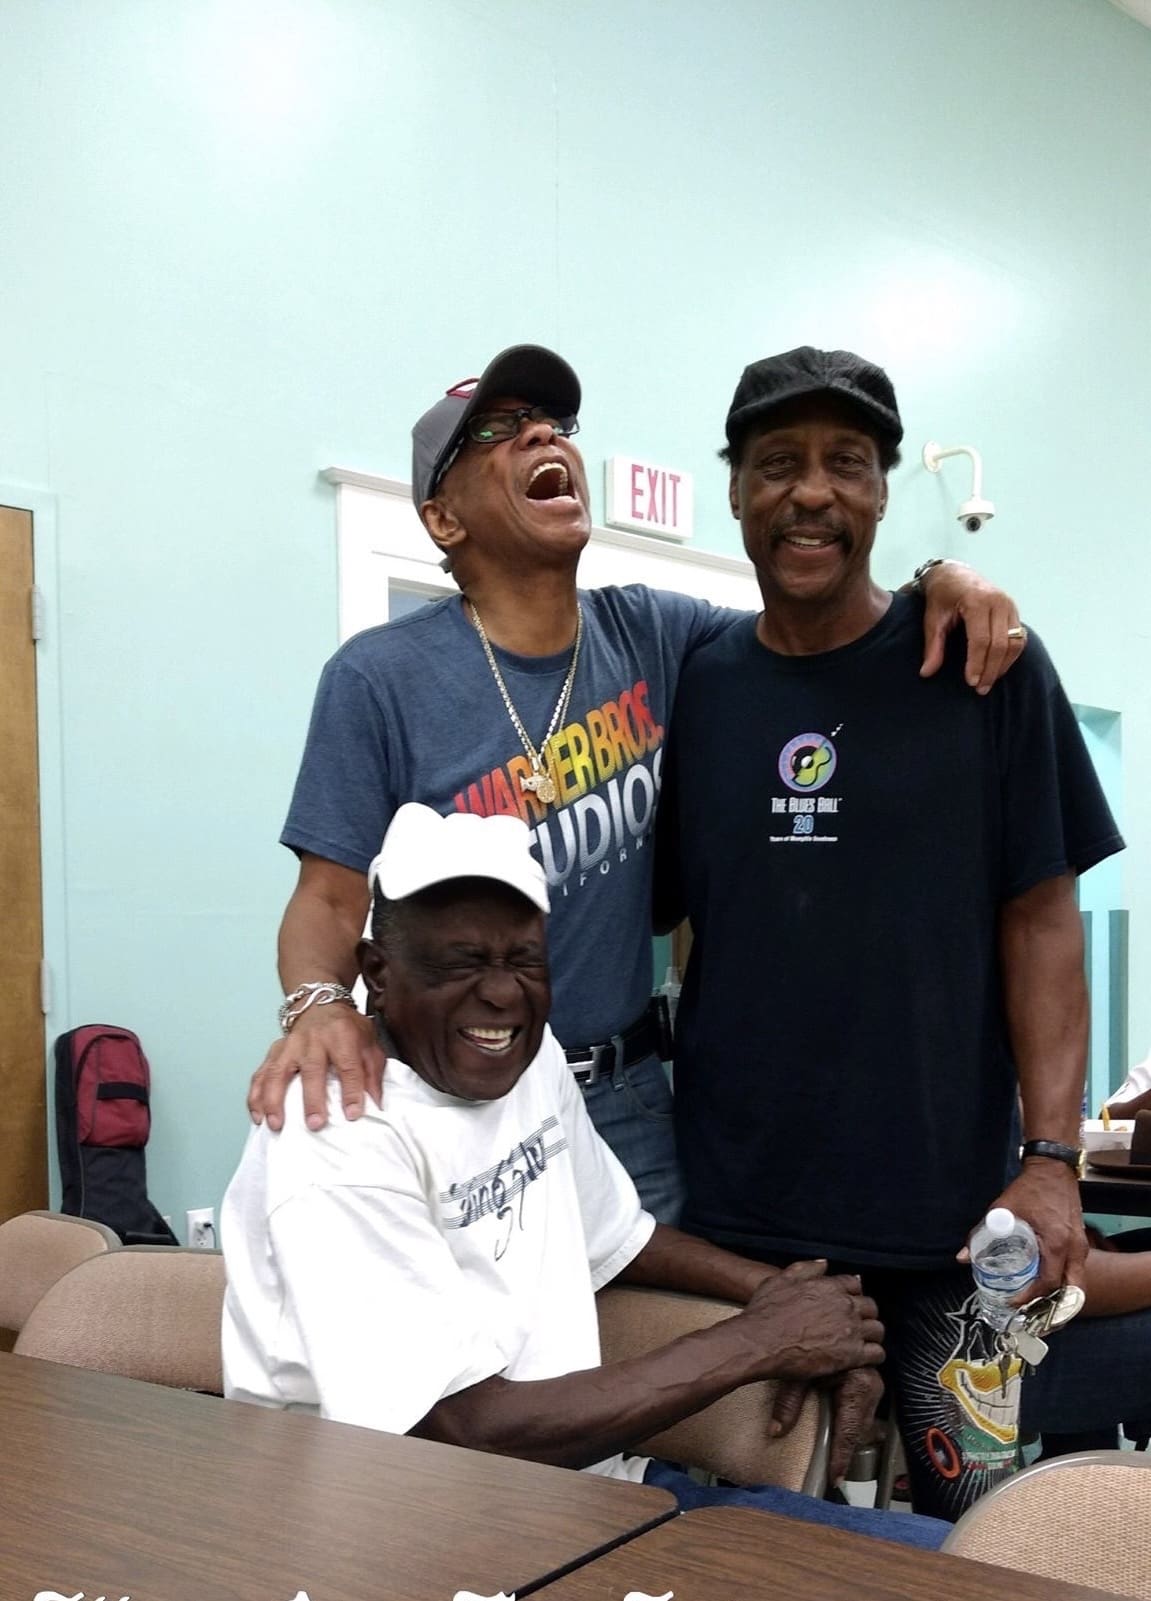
879, 870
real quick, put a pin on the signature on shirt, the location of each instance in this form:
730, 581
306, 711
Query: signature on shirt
501, 1189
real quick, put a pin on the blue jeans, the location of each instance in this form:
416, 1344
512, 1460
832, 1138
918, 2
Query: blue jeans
631, 1109
1097, 1374
907, 1528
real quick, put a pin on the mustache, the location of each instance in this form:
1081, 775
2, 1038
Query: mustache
805, 523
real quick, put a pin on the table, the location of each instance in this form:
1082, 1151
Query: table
735, 1554
1111, 1192
114, 1488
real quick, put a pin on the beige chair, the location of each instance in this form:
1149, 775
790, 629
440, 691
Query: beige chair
147, 1312
729, 1438
1083, 1519
153, 1313
36, 1249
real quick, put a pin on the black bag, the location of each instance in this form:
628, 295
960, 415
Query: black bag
102, 1127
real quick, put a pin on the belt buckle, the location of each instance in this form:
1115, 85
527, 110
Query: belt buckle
591, 1074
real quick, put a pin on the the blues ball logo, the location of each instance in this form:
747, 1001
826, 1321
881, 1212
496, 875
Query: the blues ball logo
807, 762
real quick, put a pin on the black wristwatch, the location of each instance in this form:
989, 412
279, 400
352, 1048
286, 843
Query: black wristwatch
1070, 1154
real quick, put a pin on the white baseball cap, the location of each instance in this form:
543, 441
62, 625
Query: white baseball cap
421, 848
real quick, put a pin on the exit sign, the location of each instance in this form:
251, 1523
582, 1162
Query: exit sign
648, 499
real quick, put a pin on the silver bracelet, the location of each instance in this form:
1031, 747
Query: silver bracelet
311, 995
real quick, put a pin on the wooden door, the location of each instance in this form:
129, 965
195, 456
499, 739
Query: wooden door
23, 1110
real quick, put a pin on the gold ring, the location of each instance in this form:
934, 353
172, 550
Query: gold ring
1017, 633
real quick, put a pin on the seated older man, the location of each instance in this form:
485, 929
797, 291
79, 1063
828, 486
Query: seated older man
432, 1268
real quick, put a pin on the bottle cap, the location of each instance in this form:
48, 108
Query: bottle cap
1000, 1220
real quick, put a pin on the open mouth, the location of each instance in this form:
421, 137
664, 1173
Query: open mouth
549, 480
493, 1041
810, 541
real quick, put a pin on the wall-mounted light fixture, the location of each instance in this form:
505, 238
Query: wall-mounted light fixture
975, 511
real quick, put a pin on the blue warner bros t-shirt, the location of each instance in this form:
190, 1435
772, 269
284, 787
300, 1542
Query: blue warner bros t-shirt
410, 711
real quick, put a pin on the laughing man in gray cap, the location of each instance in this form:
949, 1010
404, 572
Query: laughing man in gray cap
527, 696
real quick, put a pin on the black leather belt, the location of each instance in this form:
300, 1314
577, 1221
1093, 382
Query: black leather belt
647, 1036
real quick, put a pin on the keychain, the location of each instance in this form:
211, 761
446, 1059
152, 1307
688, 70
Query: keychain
1039, 1317
1023, 1336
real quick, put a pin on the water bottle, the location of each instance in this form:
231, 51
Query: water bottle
1004, 1260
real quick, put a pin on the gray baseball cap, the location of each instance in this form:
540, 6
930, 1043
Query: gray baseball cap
530, 371
776, 380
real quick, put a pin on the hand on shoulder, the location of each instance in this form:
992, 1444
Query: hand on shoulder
955, 593
329, 1039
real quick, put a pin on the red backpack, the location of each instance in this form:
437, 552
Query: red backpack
102, 1126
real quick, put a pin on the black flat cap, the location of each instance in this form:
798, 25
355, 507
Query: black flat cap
776, 380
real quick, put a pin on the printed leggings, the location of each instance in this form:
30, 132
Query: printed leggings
959, 1427
958, 1420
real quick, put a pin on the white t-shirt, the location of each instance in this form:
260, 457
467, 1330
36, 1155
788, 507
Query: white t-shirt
1137, 1082
378, 1266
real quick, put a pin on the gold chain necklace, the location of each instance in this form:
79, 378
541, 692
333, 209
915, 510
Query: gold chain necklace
540, 784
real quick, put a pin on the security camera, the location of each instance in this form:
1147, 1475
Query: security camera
972, 513
975, 512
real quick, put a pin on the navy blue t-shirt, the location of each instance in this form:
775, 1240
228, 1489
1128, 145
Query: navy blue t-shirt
842, 834
410, 711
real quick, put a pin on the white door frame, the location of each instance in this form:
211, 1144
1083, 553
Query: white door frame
380, 540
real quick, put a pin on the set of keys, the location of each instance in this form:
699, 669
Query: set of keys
1023, 1336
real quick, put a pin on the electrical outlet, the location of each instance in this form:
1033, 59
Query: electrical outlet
201, 1228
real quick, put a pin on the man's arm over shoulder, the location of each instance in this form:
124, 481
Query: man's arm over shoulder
956, 593
322, 924
343, 802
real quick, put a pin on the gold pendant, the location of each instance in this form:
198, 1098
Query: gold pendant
541, 786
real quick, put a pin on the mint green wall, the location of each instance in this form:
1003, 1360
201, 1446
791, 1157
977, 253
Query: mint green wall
243, 241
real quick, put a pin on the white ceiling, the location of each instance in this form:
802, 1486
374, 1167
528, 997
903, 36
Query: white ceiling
1139, 9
